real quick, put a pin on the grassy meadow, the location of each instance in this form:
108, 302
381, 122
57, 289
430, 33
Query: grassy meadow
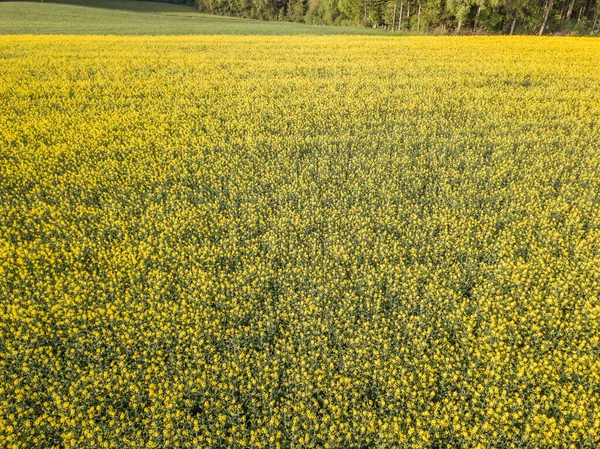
299, 241
132, 17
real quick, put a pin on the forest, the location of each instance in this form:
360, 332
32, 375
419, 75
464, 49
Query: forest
426, 16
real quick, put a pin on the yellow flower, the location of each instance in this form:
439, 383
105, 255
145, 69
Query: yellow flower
336, 241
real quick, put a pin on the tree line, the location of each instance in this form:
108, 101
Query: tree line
422, 16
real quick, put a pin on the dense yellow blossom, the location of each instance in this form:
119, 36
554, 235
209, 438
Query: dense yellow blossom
286, 242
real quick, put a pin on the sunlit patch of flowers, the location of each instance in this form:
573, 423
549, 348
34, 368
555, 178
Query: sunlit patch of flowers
289, 242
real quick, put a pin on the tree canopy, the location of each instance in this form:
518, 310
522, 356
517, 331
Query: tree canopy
437, 16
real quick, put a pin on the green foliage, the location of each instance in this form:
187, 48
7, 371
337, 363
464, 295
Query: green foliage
494, 16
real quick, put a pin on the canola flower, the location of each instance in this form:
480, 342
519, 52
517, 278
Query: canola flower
298, 242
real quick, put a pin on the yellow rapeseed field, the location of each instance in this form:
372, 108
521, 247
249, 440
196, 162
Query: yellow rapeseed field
297, 242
